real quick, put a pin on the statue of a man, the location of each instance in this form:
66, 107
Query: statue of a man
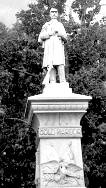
53, 36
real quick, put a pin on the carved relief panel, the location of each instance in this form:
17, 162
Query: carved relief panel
61, 163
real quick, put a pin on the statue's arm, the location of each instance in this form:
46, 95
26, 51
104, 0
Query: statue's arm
62, 33
43, 34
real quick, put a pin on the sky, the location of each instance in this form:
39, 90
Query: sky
8, 9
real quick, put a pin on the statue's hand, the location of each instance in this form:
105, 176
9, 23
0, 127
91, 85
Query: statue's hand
50, 34
58, 34
53, 33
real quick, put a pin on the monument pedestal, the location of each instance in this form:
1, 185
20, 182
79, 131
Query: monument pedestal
56, 115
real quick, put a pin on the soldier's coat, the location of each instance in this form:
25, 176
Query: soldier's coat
53, 46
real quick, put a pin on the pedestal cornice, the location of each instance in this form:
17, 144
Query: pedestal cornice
42, 104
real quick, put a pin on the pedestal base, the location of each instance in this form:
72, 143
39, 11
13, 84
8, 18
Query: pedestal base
55, 115
57, 89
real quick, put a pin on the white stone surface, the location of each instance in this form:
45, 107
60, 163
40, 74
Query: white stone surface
58, 90
61, 163
55, 115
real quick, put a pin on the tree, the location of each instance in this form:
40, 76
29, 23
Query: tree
17, 154
20, 77
3, 32
86, 55
86, 15
57, 3
86, 75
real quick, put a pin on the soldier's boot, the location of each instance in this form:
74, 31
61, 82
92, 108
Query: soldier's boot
53, 75
61, 73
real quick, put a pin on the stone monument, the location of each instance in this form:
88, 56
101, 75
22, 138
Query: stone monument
52, 37
55, 115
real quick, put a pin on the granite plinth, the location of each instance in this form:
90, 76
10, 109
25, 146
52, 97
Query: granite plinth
55, 115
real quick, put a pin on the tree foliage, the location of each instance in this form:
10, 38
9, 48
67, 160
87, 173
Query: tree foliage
59, 4
17, 154
20, 77
3, 32
86, 9
86, 57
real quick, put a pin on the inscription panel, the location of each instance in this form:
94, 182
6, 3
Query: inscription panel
60, 132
